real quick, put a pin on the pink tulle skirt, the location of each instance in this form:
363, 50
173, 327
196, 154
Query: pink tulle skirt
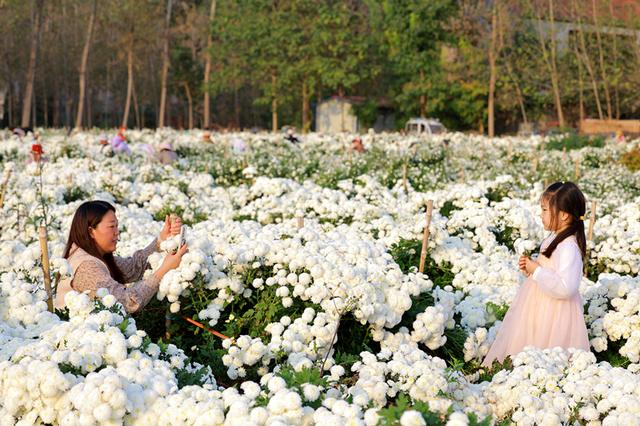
537, 319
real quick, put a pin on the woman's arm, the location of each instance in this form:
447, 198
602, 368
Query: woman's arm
92, 275
564, 281
133, 267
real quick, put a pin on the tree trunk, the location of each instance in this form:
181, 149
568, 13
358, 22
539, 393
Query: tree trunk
580, 82
493, 51
45, 105
89, 108
187, 92
274, 103
306, 119
10, 106
519, 94
83, 67
555, 80
207, 68
136, 109
236, 106
603, 72
423, 96
165, 68
34, 119
615, 66
127, 103
587, 63
31, 70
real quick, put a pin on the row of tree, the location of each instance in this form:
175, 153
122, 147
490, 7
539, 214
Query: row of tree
475, 64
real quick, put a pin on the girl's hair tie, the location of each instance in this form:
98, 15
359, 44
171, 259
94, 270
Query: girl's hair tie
581, 218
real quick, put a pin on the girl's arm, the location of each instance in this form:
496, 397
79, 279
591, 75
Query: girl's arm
564, 281
92, 275
133, 267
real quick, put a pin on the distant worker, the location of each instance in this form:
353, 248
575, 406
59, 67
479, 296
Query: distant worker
119, 143
291, 137
620, 136
357, 145
167, 155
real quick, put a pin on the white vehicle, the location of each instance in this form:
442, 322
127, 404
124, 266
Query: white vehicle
429, 126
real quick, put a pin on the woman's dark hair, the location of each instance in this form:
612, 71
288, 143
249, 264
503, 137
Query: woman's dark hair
566, 197
89, 215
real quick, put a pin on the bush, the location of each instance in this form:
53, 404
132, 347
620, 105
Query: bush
574, 141
631, 160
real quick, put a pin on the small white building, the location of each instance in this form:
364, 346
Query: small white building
336, 115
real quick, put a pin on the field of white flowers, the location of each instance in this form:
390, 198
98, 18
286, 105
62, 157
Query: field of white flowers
330, 322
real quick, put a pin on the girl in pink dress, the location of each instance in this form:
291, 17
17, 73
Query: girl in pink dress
547, 310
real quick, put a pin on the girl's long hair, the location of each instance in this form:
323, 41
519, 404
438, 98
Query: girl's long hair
89, 215
566, 197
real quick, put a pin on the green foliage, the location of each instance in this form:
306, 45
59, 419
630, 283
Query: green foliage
487, 374
496, 311
354, 337
505, 236
574, 141
612, 354
66, 367
406, 253
631, 160
74, 193
189, 378
191, 218
390, 416
296, 379
448, 207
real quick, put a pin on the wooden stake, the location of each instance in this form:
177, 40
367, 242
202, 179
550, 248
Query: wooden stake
534, 165
546, 183
592, 221
42, 233
461, 175
425, 236
510, 149
404, 178
4, 188
564, 153
577, 169
542, 146
301, 222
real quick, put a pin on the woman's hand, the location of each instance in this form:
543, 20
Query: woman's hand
527, 266
172, 225
172, 260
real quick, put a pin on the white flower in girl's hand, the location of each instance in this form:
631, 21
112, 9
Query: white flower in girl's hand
524, 247
171, 244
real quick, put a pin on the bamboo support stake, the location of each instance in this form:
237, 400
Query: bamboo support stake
577, 169
404, 178
510, 149
4, 188
564, 153
461, 175
42, 233
300, 222
534, 165
592, 221
425, 236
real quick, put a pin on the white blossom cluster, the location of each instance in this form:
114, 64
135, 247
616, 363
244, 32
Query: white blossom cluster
98, 368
